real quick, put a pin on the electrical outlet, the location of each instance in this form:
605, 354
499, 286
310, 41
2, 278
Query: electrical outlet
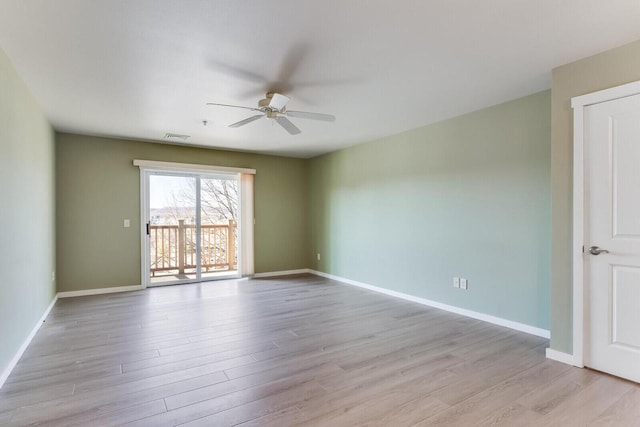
456, 282
318, 256
464, 284
127, 223
53, 276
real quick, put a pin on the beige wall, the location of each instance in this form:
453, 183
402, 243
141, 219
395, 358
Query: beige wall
98, 187
602, 71
27, 257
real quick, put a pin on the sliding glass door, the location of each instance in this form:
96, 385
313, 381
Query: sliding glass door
192, 227
219, 215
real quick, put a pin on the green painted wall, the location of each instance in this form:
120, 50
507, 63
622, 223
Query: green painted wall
467, 197
26, 213
612, 68
98, 187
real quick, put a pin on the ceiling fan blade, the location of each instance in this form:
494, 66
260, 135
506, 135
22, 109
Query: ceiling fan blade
233, 106
287, 125
291, 61
278, 101
313, 116
245, 121
236, 71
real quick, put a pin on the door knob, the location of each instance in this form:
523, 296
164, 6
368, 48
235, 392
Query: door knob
594, 250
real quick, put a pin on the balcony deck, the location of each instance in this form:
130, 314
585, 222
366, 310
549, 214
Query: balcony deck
206, 276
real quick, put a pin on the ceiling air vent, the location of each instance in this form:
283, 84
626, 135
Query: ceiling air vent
175, 136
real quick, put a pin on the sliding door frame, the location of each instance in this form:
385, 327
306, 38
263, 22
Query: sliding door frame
146, 219
245, 246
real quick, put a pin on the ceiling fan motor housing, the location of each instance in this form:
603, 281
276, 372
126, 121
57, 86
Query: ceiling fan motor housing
274, 106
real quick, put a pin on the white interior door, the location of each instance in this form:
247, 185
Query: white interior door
612, 236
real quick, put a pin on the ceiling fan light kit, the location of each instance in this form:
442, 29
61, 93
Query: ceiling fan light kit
274, 107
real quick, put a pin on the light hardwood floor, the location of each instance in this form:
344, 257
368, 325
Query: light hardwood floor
294, 351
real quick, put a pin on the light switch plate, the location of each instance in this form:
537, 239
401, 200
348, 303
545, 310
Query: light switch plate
127, 223
456, 282
463, 283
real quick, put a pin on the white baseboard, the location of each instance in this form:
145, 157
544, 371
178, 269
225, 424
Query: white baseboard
16, 358
453, 309
86, 292
559, 356
7, 371
281, 273
550, 353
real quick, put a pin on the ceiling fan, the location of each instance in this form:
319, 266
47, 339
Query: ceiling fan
274, 107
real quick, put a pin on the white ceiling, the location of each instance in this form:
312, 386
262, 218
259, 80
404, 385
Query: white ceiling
142, 68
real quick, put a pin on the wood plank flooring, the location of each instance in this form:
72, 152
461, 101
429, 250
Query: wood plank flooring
299, 350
